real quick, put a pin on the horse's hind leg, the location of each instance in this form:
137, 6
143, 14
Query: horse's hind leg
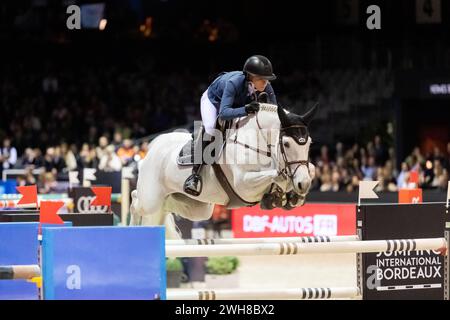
165, 219
153, 215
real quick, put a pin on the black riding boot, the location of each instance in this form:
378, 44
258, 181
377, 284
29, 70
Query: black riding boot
194, 183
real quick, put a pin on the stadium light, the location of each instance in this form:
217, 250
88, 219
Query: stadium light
102, 24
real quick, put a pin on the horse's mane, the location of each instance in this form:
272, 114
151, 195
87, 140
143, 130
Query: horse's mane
271, 107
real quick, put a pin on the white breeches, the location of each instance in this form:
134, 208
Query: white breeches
208, 112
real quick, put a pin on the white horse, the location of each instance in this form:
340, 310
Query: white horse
278, 139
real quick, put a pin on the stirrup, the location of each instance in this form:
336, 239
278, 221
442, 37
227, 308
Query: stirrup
189, 185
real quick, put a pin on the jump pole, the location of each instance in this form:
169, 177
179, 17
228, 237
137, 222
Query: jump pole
370, 246
264, 294
19, 272
183, 242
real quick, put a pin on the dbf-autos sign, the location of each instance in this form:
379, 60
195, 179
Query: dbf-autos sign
308, 220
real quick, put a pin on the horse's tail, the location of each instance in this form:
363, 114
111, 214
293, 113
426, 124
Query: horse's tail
135, 218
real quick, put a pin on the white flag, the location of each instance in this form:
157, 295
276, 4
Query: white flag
89, 174
366, 190
73, 177
127, 173
448, 194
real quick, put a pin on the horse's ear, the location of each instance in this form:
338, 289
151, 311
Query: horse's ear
309, 115
283, 117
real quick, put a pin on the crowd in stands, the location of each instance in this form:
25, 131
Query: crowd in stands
65, 117
337, 169
56, 162
342, 168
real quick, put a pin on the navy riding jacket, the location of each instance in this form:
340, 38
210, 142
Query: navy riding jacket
229, 93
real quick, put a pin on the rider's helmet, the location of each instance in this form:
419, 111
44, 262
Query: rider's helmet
259, 66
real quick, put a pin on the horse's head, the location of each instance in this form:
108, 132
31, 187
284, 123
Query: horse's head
294, 147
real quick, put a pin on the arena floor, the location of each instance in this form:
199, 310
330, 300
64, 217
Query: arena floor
299, 271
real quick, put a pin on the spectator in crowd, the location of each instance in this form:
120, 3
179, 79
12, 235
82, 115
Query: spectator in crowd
354, 185
47, 183
8, 155
427, 174
68, 157
403, 177
27, 179
346, 179
102, 145
368, 169
335, 181
325, 184
29, 159
386, 181
88, 157
355, 168
53, 161
110, 161
417, 159
143, 150
126, 152
438, 174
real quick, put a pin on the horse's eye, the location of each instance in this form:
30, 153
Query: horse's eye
286, 144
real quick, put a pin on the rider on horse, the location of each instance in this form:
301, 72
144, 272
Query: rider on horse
232, 95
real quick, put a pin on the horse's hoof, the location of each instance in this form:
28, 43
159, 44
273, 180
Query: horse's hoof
267, 202
293, 200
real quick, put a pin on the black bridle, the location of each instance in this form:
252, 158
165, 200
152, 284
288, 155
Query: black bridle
300, 139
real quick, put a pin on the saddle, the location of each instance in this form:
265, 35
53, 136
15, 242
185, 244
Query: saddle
186, 156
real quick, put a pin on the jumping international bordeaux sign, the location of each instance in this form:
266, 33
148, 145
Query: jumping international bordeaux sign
408, 274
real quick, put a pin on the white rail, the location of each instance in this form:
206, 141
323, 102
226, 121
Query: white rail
305, 248
264, 294
260, 240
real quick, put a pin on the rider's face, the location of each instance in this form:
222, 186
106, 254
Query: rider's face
259, 83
